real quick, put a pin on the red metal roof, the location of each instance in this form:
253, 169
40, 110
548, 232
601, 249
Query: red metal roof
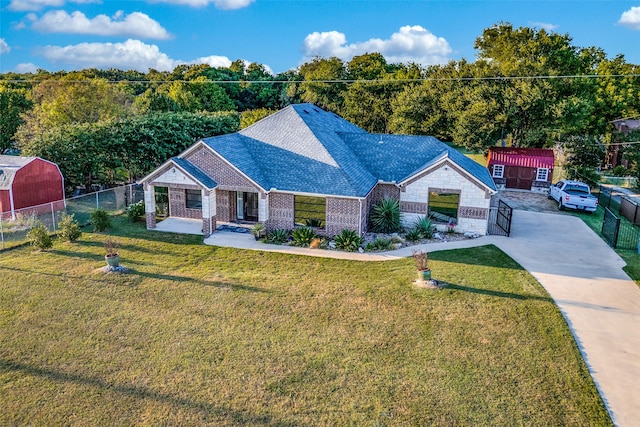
523, 157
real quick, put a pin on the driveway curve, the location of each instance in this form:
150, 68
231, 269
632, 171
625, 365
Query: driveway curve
583, 275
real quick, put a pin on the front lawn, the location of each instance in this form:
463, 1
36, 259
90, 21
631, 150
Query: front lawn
206, 335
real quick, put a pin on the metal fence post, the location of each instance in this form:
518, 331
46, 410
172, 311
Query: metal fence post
53, 218
1, 232
97, 201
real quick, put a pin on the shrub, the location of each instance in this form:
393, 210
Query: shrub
100, 220
348, 240
413, 235
303, 236
385, 216
620, 171
69, 228
423, 226
257, 230
278, 236
135, 211
313, 222
39, 236
381, 244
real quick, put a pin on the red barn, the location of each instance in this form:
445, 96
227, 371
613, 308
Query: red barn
521, 168
27, 182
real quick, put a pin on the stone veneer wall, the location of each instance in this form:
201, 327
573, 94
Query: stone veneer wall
223, 205
473, 211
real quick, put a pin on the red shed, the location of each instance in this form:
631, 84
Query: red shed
521, 168
28, 182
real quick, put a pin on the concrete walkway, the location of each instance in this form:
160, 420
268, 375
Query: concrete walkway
600, 303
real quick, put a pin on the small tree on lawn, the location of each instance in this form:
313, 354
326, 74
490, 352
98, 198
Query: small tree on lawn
39, 237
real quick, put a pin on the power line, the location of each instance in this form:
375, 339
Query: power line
334, 81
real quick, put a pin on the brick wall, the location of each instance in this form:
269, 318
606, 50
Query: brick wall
223, 207
281, 211
220, 171
342, 214
177, 203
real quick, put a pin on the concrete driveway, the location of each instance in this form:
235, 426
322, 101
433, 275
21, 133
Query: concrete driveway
599, 301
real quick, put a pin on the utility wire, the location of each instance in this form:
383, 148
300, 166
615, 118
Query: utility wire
385, 81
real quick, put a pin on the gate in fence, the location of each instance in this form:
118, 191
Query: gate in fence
610, 227
500, 219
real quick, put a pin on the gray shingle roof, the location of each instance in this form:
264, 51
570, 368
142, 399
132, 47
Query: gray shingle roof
195, 172
9, 165
302, 148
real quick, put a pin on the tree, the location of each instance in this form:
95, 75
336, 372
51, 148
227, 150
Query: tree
321, 85
249, 117
13, 103
583, 155
72, 100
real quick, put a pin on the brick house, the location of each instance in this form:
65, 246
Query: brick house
303, 165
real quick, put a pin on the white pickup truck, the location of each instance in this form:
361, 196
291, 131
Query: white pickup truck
574, 195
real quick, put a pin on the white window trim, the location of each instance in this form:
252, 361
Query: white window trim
497, 168
546, 174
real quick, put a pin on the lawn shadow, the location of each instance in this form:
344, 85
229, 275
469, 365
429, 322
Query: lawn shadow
499, 294
207, 409
215, 284
488, 256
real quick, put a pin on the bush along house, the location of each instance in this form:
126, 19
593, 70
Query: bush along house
303, 165
521, 168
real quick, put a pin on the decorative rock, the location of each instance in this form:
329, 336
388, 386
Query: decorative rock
471, 234
396, 245
361, 250
332, 245
437, 236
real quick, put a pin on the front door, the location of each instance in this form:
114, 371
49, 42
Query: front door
247, 204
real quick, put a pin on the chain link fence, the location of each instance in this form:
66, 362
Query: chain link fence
15, 226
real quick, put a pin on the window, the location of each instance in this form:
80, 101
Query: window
443, 207
193, 199
310, 211
498, 171
542, 174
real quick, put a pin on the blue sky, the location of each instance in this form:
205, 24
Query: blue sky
281, 34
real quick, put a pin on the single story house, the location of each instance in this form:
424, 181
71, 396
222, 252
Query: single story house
303, 165
521, 168
29, 182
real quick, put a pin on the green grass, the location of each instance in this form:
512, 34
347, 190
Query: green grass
206, 335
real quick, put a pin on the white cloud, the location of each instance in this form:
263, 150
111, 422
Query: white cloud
214, 61
631, 18
4, 47
220, 4
409, 44
35, 5
135, 24
545, 26
132, 54
26, 68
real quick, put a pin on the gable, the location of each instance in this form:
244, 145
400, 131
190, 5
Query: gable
521, 157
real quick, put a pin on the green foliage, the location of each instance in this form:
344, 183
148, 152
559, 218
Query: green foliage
138, 143
13, 103
348, 240
278, 236
302, 236
135, 211
385, 216
424, 227
249, 117
313, 222
380, 244
620, 171
257, 229
413, 235
100, 219
69, 229
39, 237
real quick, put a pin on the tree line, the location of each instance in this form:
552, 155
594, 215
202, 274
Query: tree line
527, 87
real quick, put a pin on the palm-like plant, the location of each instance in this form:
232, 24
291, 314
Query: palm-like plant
385, 216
